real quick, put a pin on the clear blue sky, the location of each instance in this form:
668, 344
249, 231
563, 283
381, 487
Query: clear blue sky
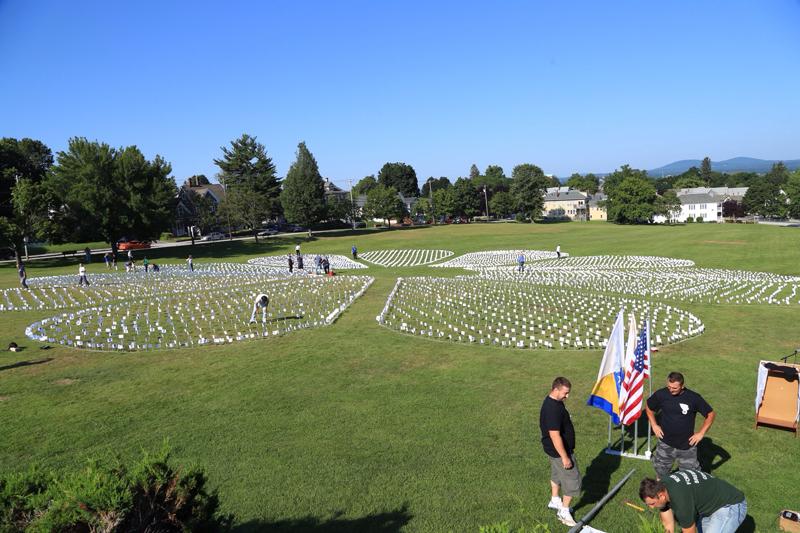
569, 86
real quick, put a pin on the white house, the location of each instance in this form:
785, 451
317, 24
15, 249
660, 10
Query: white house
703, 202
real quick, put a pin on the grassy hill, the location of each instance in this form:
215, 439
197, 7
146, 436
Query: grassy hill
354, 427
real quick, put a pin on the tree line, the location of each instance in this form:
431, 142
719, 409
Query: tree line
635, 197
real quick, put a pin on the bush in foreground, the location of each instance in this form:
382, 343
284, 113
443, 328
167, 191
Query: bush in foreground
152, 495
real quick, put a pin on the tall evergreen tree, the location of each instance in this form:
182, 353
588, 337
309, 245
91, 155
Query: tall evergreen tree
303, 196
252, 190
474, 172
705, 170
400, 176
528, 186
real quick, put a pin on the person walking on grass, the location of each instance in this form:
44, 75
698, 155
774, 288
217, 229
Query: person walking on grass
114, 262
291, 263
82, 276
558, 441
354, 251
521, 262
558, 251
23, 275
692, 498
146, 264
677, 439
107, 259
261, 302
190, 263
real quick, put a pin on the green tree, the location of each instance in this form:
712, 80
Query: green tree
474, 172
443, 202
589, 183
611, 181
792, 189
466, 199
778, 174
383, 202
765, 198
366, 184
341, 208
528, 187
303, 195
688, 182
252, 190
400, 176
435, 184
633, 201
109, 193
205, 213
23, 200
705, 171
502, 204
668, 205
494, 172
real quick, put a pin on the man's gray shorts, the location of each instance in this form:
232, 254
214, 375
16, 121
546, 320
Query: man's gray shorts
666, 455
568, 480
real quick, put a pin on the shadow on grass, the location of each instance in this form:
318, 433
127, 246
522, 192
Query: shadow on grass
748, 526
707, 453
597, 478
26, 363
386, 522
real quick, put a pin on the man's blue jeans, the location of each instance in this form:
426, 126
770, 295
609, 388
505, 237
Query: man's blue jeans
725, 519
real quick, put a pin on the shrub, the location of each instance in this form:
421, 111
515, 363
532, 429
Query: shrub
152, 495
699, 219
689, 220
166, 236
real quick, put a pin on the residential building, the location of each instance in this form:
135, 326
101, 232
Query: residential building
185, 211
596, 209
704, 203
565, 202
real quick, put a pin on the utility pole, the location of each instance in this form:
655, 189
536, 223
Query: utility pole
430, 193
352, 204
486, 199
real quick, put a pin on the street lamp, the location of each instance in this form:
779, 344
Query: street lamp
486, 199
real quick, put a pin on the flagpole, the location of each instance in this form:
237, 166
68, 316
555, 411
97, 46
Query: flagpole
649, 381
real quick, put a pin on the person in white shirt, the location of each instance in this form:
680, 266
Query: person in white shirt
82, 273
261, 302
558, 251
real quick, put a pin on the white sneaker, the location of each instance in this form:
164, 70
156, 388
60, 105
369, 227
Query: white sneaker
252, 321
555, 504
566, 517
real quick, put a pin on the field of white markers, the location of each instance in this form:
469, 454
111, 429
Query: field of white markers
522, 315
404, 258
60, 292
656, 277
184, 315
496, 258
337, 262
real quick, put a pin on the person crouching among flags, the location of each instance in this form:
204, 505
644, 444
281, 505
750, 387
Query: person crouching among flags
261, 302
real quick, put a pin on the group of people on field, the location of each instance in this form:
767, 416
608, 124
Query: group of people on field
690, 497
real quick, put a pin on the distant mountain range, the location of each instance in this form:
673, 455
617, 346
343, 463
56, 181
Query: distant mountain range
737, 164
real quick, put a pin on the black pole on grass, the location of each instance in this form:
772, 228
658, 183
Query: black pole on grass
588, 516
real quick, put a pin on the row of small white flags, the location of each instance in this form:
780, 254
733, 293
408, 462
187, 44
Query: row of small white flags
619, 390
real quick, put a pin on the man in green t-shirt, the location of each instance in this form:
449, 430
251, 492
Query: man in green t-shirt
688, 495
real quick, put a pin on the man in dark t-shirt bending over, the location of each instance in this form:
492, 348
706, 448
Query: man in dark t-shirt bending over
558, 441
677, 407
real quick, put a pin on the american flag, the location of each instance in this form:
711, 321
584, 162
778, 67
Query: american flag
637, 369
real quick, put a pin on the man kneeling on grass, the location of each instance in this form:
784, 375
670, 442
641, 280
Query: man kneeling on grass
261, 302
691, 496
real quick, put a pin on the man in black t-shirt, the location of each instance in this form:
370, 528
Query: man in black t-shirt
678, 407
558, 441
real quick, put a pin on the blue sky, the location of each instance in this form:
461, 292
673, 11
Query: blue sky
569, 86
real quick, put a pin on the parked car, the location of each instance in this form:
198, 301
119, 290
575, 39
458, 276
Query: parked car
132, 245
213, 236
268, 232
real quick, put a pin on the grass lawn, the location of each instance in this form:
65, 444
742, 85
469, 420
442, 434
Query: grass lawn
355, 427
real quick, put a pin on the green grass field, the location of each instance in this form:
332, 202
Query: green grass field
355, 427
